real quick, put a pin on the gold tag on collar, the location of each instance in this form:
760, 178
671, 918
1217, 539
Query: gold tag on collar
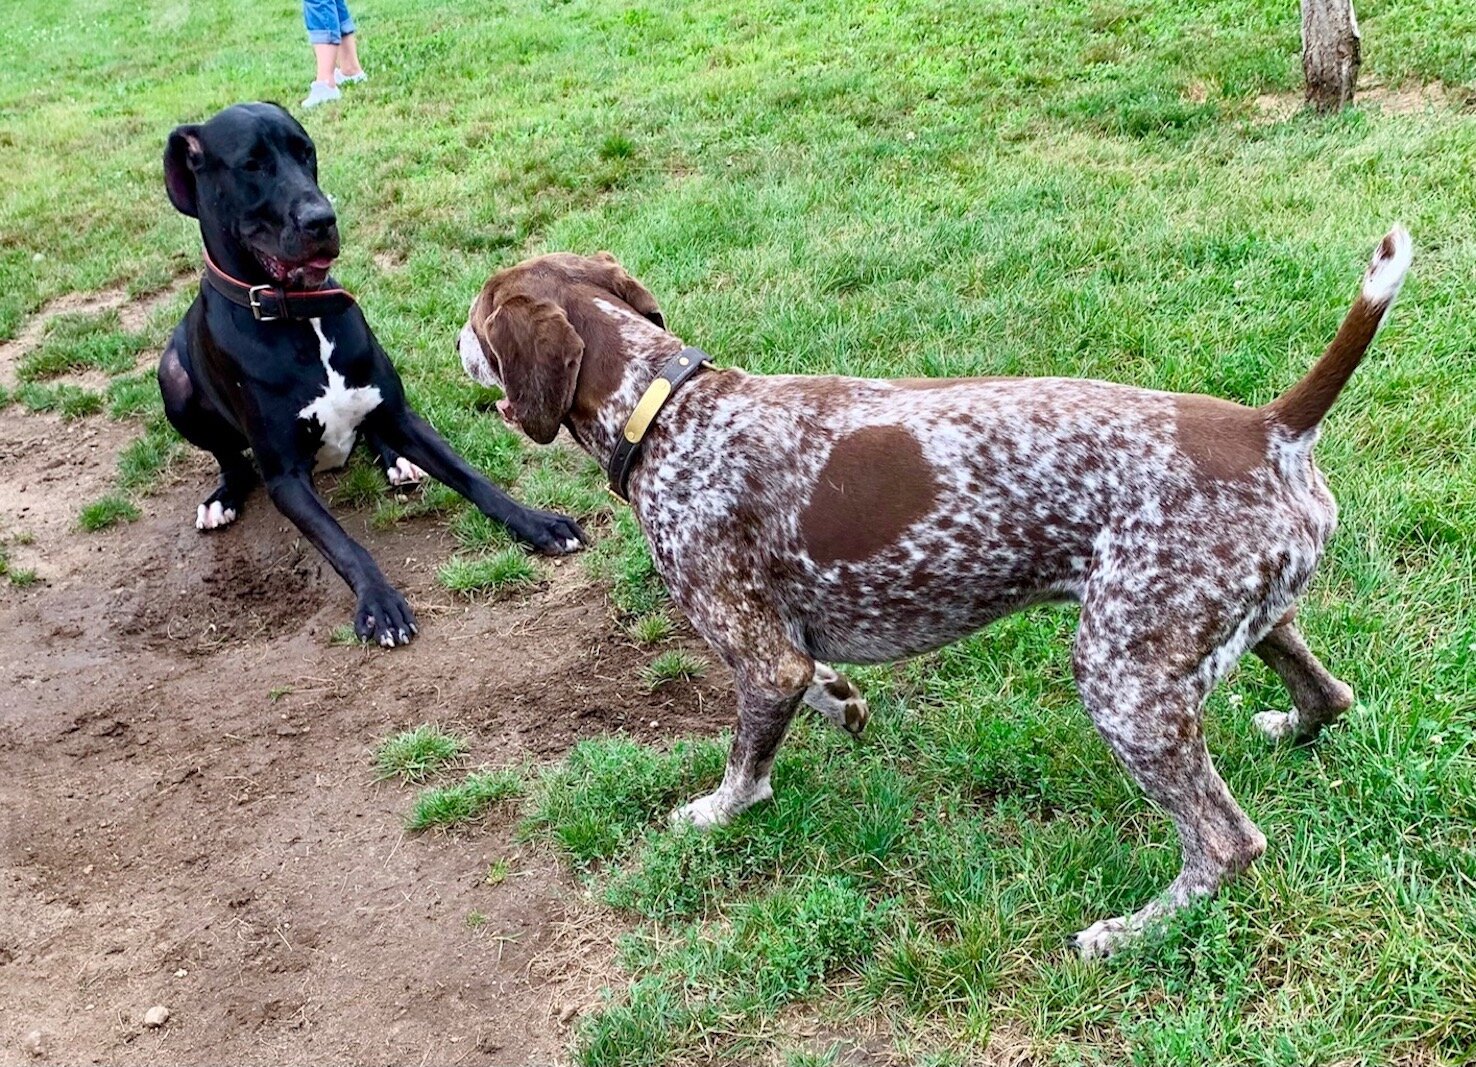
645, 411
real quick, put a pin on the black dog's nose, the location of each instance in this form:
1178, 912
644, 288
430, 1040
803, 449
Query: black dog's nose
316, 218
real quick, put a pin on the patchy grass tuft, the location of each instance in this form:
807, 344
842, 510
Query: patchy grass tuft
70, 401
107, 511
82, 342
21, 578
414, 755
499, 573
361, 484
676, 665
343, 635
464, 802
144, 460
652, 629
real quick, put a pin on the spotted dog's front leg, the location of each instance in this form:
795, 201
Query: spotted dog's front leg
768, 694
836, 697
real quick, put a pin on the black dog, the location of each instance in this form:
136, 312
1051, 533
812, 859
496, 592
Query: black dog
273, 361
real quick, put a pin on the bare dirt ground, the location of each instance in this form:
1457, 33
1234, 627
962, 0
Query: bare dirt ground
189, 814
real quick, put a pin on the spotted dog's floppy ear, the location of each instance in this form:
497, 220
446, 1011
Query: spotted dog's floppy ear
182, 155
538, 354
614, 278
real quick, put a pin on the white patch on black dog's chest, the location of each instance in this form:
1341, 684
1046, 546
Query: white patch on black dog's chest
339, 410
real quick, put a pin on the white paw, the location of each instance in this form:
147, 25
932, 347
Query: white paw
405, 473
719, 808
1102, 939
703, 813
571, 544
1276, 725
213, 517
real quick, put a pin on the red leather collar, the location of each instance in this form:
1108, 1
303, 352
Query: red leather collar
268, 303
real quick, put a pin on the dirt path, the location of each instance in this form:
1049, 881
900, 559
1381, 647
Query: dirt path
190, 818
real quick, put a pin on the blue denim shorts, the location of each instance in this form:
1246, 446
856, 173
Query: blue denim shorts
327, 20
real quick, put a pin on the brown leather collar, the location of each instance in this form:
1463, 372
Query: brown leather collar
268, 303
677, 371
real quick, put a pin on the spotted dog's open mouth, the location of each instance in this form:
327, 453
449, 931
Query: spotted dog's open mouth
308, 273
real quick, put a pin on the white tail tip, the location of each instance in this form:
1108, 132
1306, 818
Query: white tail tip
1390, 264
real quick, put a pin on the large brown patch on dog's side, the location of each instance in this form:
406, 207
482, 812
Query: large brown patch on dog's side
875, 485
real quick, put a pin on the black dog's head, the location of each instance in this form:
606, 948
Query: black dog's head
250, 175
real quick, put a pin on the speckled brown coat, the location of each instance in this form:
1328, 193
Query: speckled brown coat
803, 519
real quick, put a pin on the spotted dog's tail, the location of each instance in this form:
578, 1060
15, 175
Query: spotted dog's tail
1301, 408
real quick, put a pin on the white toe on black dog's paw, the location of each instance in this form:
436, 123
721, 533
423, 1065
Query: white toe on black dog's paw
213, 516
405, 473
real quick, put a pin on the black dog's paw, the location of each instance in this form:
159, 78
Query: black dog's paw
553, 535
383, 616
221, 508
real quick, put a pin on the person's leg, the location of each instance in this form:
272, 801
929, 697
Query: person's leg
348, 51
327, 59
321, 19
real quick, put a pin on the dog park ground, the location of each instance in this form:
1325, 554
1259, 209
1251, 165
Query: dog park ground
204, 800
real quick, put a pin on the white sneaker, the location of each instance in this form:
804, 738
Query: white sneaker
340, 78
321, 93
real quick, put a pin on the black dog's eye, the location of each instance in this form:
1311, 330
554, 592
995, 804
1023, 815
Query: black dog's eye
252, 164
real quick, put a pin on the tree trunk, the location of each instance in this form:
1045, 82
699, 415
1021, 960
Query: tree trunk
1330, 52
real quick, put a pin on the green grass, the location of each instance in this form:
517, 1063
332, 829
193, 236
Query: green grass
501, 572
83, 342
21, 578
107, 511
361, 483
927, 187
675, 665
144, 460
414, 755
343, 636
652, 629
70, 401
467, 801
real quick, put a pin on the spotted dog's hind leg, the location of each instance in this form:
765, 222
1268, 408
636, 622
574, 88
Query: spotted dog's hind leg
1144, 684
1318, 698
401, 473
206, 429
836, 697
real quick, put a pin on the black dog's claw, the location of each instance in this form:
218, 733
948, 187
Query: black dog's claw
384, 617
551, 534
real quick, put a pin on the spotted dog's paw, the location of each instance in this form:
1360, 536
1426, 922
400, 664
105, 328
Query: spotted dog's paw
719, 807
836, 697
1102, 939
214, 515
703, 813
405, 474
1276, 725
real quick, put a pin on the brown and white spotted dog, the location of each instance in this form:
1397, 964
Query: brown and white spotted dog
803, 519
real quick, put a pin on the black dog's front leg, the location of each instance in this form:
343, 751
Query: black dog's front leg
553, 535
382, 613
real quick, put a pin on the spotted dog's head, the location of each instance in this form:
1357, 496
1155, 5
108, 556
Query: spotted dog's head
250, 175
538, 331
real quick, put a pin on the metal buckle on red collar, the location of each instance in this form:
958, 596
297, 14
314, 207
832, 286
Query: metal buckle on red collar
254, 295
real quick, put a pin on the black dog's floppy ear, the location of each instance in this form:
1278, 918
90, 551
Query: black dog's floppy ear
538, 355
614, 278
182, 155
